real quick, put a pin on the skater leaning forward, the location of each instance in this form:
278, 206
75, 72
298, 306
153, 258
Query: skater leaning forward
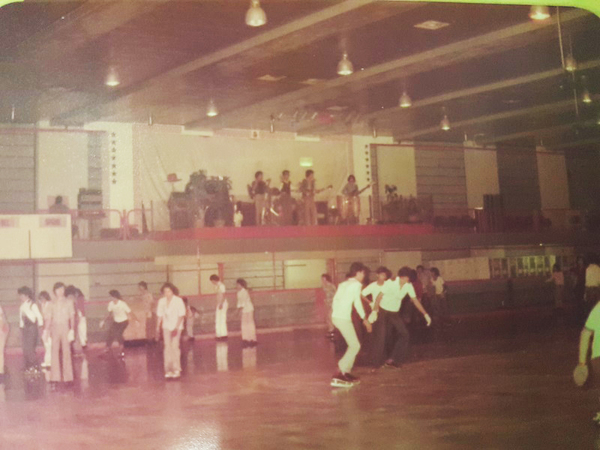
347, 296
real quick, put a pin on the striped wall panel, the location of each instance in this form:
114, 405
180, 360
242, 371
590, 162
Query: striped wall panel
441, 175
17, 171
583, 174
518, 179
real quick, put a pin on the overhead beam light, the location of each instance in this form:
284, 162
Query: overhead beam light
539, 12
405, 100
112, 77
445, 123
211, 110
585, 96
345, 66
570, 63
255, 16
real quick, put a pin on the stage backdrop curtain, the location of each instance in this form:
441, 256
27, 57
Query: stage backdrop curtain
161, 150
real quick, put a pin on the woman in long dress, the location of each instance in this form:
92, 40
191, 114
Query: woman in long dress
244, 302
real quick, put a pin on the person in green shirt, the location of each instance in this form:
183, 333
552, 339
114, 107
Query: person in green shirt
591, 332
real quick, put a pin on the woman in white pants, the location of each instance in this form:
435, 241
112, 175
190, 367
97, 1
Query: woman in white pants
347, 296
4, 328
221, 312
244, 302
46, 303
171, 314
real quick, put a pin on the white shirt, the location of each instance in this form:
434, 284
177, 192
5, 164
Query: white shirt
393, 295
592, 276
346, 296
244, 301
171, 313
220, 291
438, 284
119, 310
373, 289
30, 310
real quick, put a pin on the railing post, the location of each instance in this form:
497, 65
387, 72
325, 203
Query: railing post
124, 225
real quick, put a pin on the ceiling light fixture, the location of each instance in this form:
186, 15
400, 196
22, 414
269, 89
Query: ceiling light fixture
405, 100
211, 110
570, 63
345, 66
255, 16
539, 12
585, 96
112, 77
445, 123
431, 25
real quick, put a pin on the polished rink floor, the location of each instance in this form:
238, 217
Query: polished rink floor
494, 383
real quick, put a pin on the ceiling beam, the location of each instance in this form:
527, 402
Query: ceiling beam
479, 46
527, 133
81, 26
583, 142
546, 109
483, 89
327, 22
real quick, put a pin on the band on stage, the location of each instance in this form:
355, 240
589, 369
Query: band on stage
276, 205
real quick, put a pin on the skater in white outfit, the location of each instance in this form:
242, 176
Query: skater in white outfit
244, 302
170, 312
347, 297
46, 304
221, 312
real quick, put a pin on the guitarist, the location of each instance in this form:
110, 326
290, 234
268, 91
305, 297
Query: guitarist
351, 190
308, 190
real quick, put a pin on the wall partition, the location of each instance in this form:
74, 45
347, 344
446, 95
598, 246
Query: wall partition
17, 170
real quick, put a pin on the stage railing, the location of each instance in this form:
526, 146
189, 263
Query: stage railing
112, 224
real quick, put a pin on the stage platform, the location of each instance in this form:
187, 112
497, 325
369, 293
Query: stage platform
493, 384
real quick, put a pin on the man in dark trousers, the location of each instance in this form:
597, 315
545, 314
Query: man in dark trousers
387, 305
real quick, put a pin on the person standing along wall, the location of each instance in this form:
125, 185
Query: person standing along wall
30, 320
221, 311
46, 303
62, 323
80, 319
329, 291
150, 307
4, 330
440, 300
171, 314
244, 302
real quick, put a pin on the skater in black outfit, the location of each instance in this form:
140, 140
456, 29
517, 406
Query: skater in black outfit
30, 319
